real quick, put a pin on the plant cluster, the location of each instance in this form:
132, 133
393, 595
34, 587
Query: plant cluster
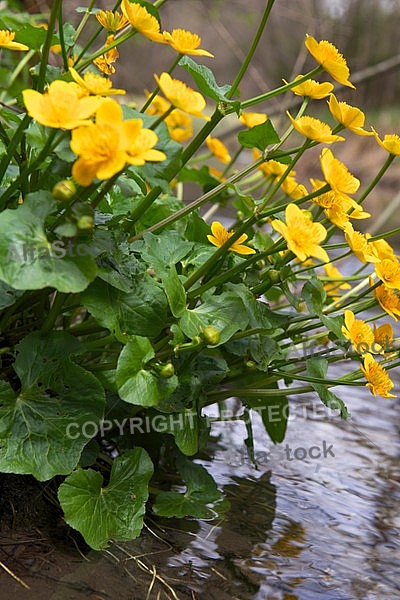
120, 299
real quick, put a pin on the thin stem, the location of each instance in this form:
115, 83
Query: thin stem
11, 148
377, 177
55, 11
162, 118
61, 36
157, 89
186, 155
252, 49
85, 19
280, 90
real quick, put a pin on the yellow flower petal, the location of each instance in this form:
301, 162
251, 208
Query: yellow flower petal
388, 271
302, 235
218, 149
388, 300
377, 378
314, 129
390, 143
60, 106
142, 20
251, 119
7, 41
337, 174
185, 42
95, 84
220, 235
329, 57
312, 89
349, 116
182, 96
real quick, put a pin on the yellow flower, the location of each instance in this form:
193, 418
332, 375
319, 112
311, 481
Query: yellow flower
350, 117
314, 129
251, 119
106, 146
301, 234
61, 105
384, 335
329, 57
312, 89
271, 168
95, 84
336, 206
218, 149
388, 272
383, 249
158, 106
378, 380
181, 96
220, 235
360, 334
142, 20
388, 300
216, 173
105, 62
185, 42
337, 174
390, 143
332, 287
358, 243
292, 188
7, 41
179, 126
113, 21
56, 48
141, 148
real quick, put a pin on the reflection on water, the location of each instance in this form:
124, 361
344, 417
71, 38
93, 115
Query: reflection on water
312, 528
304, 529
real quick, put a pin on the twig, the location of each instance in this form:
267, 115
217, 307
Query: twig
14, 576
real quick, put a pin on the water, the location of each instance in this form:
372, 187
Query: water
306, 529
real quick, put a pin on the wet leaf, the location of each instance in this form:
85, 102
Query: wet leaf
201, 491
116, 511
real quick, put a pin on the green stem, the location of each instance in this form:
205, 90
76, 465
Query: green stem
55, 11
61, 36
84, 21
51, 317
162, 117
47, 148
280, 90
11, 148
200, 201
377, 177
24, 61
259, 393
214, 258
252, 49
186, 155
157, 89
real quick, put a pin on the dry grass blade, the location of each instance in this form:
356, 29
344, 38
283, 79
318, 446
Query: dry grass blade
14, 576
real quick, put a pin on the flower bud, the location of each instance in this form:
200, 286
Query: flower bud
210, 335
166, 370
64, 190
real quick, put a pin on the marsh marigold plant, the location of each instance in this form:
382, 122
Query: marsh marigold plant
139, 281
